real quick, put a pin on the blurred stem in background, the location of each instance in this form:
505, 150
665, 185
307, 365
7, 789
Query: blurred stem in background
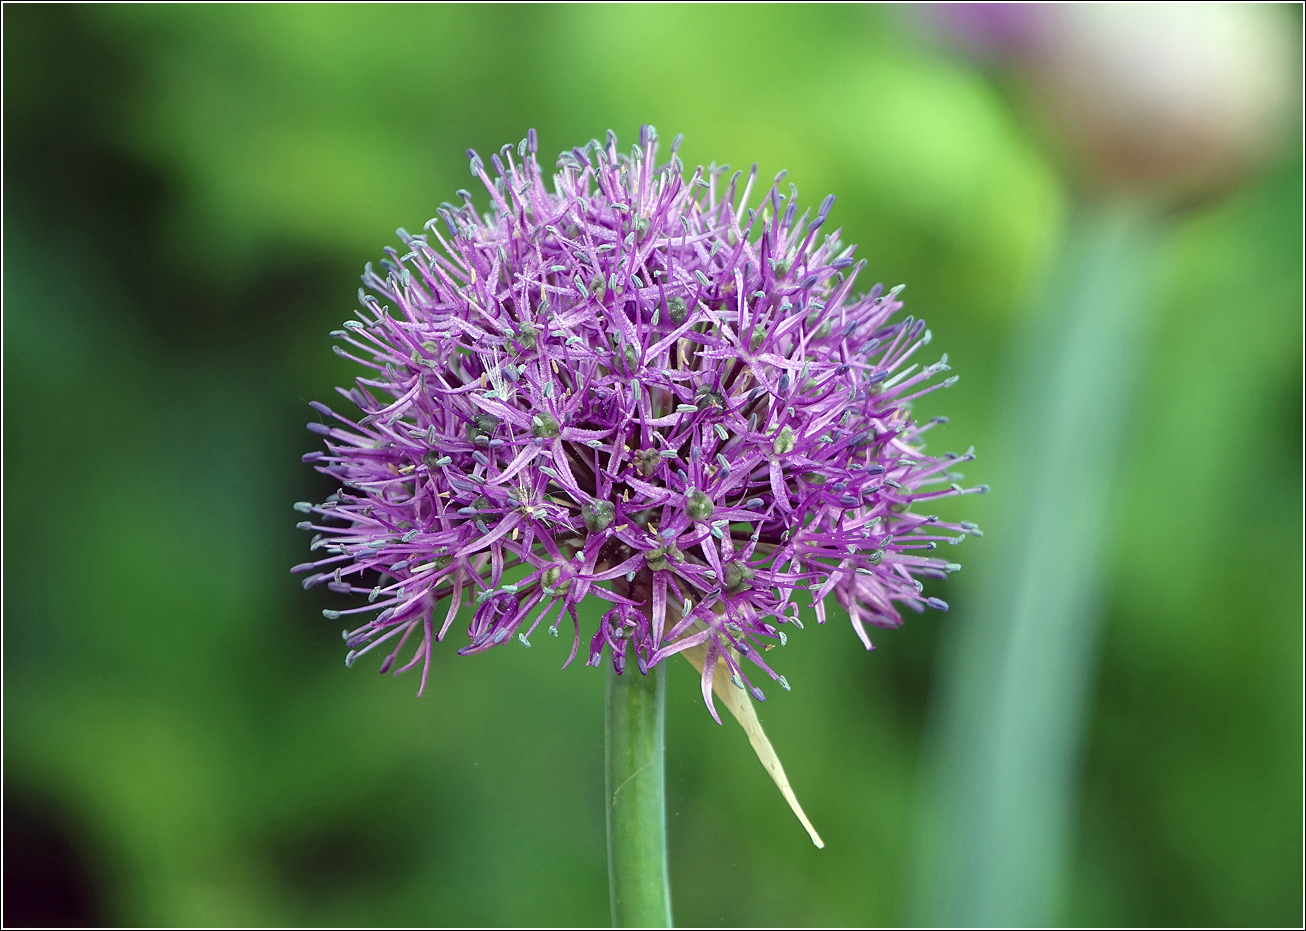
1019, 670
1148, 106
635, 789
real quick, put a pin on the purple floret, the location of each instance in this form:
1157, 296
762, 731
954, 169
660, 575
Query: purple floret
633, 386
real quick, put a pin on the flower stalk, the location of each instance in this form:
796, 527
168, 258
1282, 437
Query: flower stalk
635, 789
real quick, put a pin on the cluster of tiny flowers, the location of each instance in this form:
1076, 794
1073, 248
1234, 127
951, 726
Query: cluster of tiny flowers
628, 385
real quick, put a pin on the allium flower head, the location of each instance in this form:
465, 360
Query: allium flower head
627, 385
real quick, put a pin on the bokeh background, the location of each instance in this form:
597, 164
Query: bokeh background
189, 195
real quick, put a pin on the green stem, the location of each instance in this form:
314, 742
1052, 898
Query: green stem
1016, 675
635, 783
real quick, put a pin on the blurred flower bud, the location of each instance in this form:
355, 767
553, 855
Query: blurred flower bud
1172, 98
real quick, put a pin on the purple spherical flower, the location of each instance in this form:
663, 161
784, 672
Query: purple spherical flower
632, 386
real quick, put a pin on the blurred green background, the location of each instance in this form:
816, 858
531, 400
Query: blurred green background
190, 193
